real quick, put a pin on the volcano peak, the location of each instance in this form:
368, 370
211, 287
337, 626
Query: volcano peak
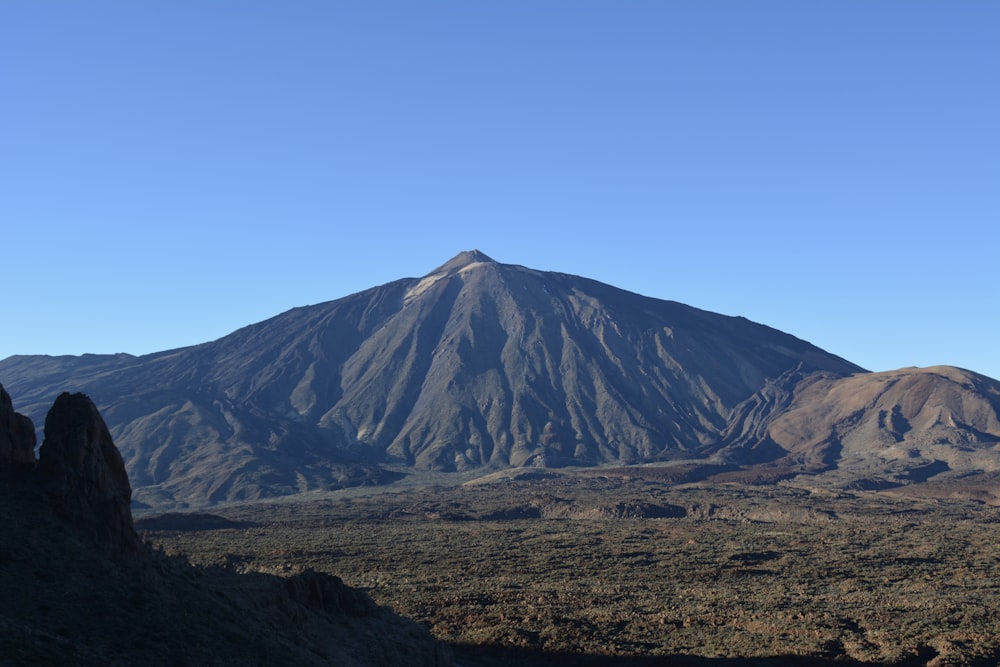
462, 260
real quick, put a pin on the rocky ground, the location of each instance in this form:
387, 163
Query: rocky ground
556, 570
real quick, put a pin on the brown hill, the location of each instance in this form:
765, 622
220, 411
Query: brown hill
895, 428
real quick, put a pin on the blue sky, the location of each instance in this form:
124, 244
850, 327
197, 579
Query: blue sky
173, 170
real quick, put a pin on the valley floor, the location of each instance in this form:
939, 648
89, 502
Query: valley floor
629, 571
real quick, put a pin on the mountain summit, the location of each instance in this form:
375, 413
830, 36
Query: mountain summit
478, 365
463, 260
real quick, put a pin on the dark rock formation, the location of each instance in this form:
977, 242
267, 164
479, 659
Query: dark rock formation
85, 476
80, 471
77, 586
316, 590
17, 433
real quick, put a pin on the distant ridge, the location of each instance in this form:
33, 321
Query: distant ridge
478, 365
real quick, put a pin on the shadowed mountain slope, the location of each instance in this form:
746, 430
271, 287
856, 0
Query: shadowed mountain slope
477, 365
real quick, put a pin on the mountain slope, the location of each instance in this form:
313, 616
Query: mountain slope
477, 365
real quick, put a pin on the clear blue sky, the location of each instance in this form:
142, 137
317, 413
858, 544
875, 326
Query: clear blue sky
173, 170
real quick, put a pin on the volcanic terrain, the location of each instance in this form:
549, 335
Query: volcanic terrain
481, 366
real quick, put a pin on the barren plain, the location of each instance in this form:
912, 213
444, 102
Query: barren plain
593, 568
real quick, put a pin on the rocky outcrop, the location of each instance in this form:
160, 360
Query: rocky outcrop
80, 473
17, 433
85, 477
70, 559
317, 590
334, 619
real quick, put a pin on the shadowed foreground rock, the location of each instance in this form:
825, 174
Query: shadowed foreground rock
17, 433
79, 587
85, 477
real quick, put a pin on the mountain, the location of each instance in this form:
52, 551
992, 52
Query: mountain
477, 365
79, 587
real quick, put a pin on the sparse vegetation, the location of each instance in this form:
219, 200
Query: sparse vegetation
570, 565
